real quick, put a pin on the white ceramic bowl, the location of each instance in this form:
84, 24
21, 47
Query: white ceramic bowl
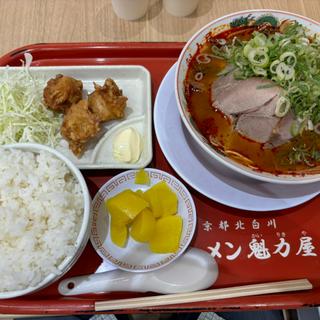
84, 232
136, 256
190, 49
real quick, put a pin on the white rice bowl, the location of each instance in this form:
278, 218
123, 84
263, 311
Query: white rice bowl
44, 217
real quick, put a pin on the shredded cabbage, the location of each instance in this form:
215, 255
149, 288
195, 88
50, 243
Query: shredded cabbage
23, 116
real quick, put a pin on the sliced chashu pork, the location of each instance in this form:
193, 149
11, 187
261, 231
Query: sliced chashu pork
252, 108
259, 125
282, 132
234, 97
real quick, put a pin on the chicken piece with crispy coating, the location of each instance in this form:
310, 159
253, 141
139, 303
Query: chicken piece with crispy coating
107, 102
61, 92
79, 126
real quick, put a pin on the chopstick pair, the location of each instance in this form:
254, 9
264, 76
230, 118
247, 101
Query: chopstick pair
205, 295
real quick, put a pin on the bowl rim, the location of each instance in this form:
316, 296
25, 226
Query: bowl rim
261, 176
84, 231
98, 248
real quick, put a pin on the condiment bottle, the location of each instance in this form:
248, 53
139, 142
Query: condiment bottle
130, 9
180, 8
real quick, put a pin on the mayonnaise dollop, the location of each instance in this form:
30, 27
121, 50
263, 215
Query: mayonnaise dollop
127, 146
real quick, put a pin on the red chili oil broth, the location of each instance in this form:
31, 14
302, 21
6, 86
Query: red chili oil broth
212, 122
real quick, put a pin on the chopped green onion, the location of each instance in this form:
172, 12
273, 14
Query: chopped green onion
294, 128
259, 71
204, 58
259, 39
304, 41
247, 48
282, 107
289, 58
317, 128
284, 72
273, 66
284, 42
258, 57
303, 126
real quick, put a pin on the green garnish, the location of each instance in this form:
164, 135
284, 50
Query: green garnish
302, 154
291, 59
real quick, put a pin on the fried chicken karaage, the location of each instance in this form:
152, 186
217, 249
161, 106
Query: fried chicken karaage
82, 118
79, 126
61, 92
107, 102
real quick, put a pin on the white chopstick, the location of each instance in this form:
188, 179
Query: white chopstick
205, 295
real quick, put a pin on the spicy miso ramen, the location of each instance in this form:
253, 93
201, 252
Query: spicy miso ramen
254, 93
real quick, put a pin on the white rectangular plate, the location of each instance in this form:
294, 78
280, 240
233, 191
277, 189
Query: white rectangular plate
135, 82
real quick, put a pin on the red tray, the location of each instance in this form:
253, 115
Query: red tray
237, 264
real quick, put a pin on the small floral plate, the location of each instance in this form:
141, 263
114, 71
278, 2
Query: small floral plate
136, 256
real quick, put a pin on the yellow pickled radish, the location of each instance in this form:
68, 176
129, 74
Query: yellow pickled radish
142, 177
117, 214
142, 195
162, 199
167, 234
125, 206
139, 192
142, 226
119, 234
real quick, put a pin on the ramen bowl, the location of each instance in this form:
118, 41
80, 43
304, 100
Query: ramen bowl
225, 23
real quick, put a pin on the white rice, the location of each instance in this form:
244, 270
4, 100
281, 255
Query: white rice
41, 209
